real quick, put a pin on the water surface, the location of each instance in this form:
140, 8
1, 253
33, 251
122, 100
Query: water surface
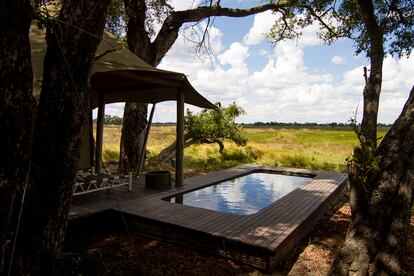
244, 195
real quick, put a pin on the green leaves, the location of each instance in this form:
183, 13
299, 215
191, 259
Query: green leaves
215, 125
113, 120
339, 19
364, 164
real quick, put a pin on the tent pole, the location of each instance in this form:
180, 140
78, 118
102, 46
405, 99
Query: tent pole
144, 145
99, 133
179, 153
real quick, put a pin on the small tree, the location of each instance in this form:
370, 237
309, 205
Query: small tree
209, 127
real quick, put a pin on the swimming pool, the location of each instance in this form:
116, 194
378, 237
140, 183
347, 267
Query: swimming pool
245, 195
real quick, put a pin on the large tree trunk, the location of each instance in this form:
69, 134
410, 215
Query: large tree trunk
381, 206
16, 117
132, 138
373, 83
63, 108
139, 43
381, 180
135, 114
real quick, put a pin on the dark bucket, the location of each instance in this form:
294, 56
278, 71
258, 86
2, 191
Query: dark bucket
158, 180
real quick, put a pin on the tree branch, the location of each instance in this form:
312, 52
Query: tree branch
394, 8
320, 20
103, 54
212, 141
172, 24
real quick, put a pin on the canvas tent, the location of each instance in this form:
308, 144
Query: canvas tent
120, 76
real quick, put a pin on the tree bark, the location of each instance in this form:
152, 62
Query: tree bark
381, 210
372, 87
133, 130
16, 117
139, 43
381, 199
135, 114
168, 153
63, 107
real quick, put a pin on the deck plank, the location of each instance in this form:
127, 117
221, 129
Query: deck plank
278, 218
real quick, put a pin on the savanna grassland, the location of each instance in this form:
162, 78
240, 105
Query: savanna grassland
324, 149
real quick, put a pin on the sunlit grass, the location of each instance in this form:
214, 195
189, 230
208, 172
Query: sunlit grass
112, 138
321, 149
110, 153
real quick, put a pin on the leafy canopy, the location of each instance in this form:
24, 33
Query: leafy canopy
344, 19
156, 11
215, 124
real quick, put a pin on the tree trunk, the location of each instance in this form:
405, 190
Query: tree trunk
16, 117
63, 107
382, 193
381, 210
168, 153
135, 114
372, 87
132, 138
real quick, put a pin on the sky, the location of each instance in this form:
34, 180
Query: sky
293, 81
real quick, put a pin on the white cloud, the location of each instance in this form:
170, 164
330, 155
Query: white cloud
182, 55
337, 60
309, 36
115, 109
263, 52
235, 56
286, 69
407, 70
262, 24
354, 76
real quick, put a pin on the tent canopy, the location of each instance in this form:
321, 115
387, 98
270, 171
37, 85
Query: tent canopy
120, 76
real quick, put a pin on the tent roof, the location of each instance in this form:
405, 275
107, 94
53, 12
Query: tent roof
120, 75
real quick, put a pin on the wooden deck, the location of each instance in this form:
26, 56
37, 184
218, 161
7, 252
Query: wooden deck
261, 239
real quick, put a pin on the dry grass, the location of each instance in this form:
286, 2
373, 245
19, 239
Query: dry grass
301, 148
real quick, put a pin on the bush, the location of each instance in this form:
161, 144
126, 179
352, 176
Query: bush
110, 155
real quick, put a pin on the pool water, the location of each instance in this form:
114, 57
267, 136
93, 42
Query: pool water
244, 195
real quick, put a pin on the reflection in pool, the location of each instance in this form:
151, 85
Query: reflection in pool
245, 195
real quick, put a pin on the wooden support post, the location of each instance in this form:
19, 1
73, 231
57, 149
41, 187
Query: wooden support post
99, 133
130, 182
144, 146
179, 154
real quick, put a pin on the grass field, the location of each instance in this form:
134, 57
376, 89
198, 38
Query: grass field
324, 149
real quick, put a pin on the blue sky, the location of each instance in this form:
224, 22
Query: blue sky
293, 81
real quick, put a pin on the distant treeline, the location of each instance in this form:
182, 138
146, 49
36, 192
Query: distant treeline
116, 120
113, 120
306, 125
